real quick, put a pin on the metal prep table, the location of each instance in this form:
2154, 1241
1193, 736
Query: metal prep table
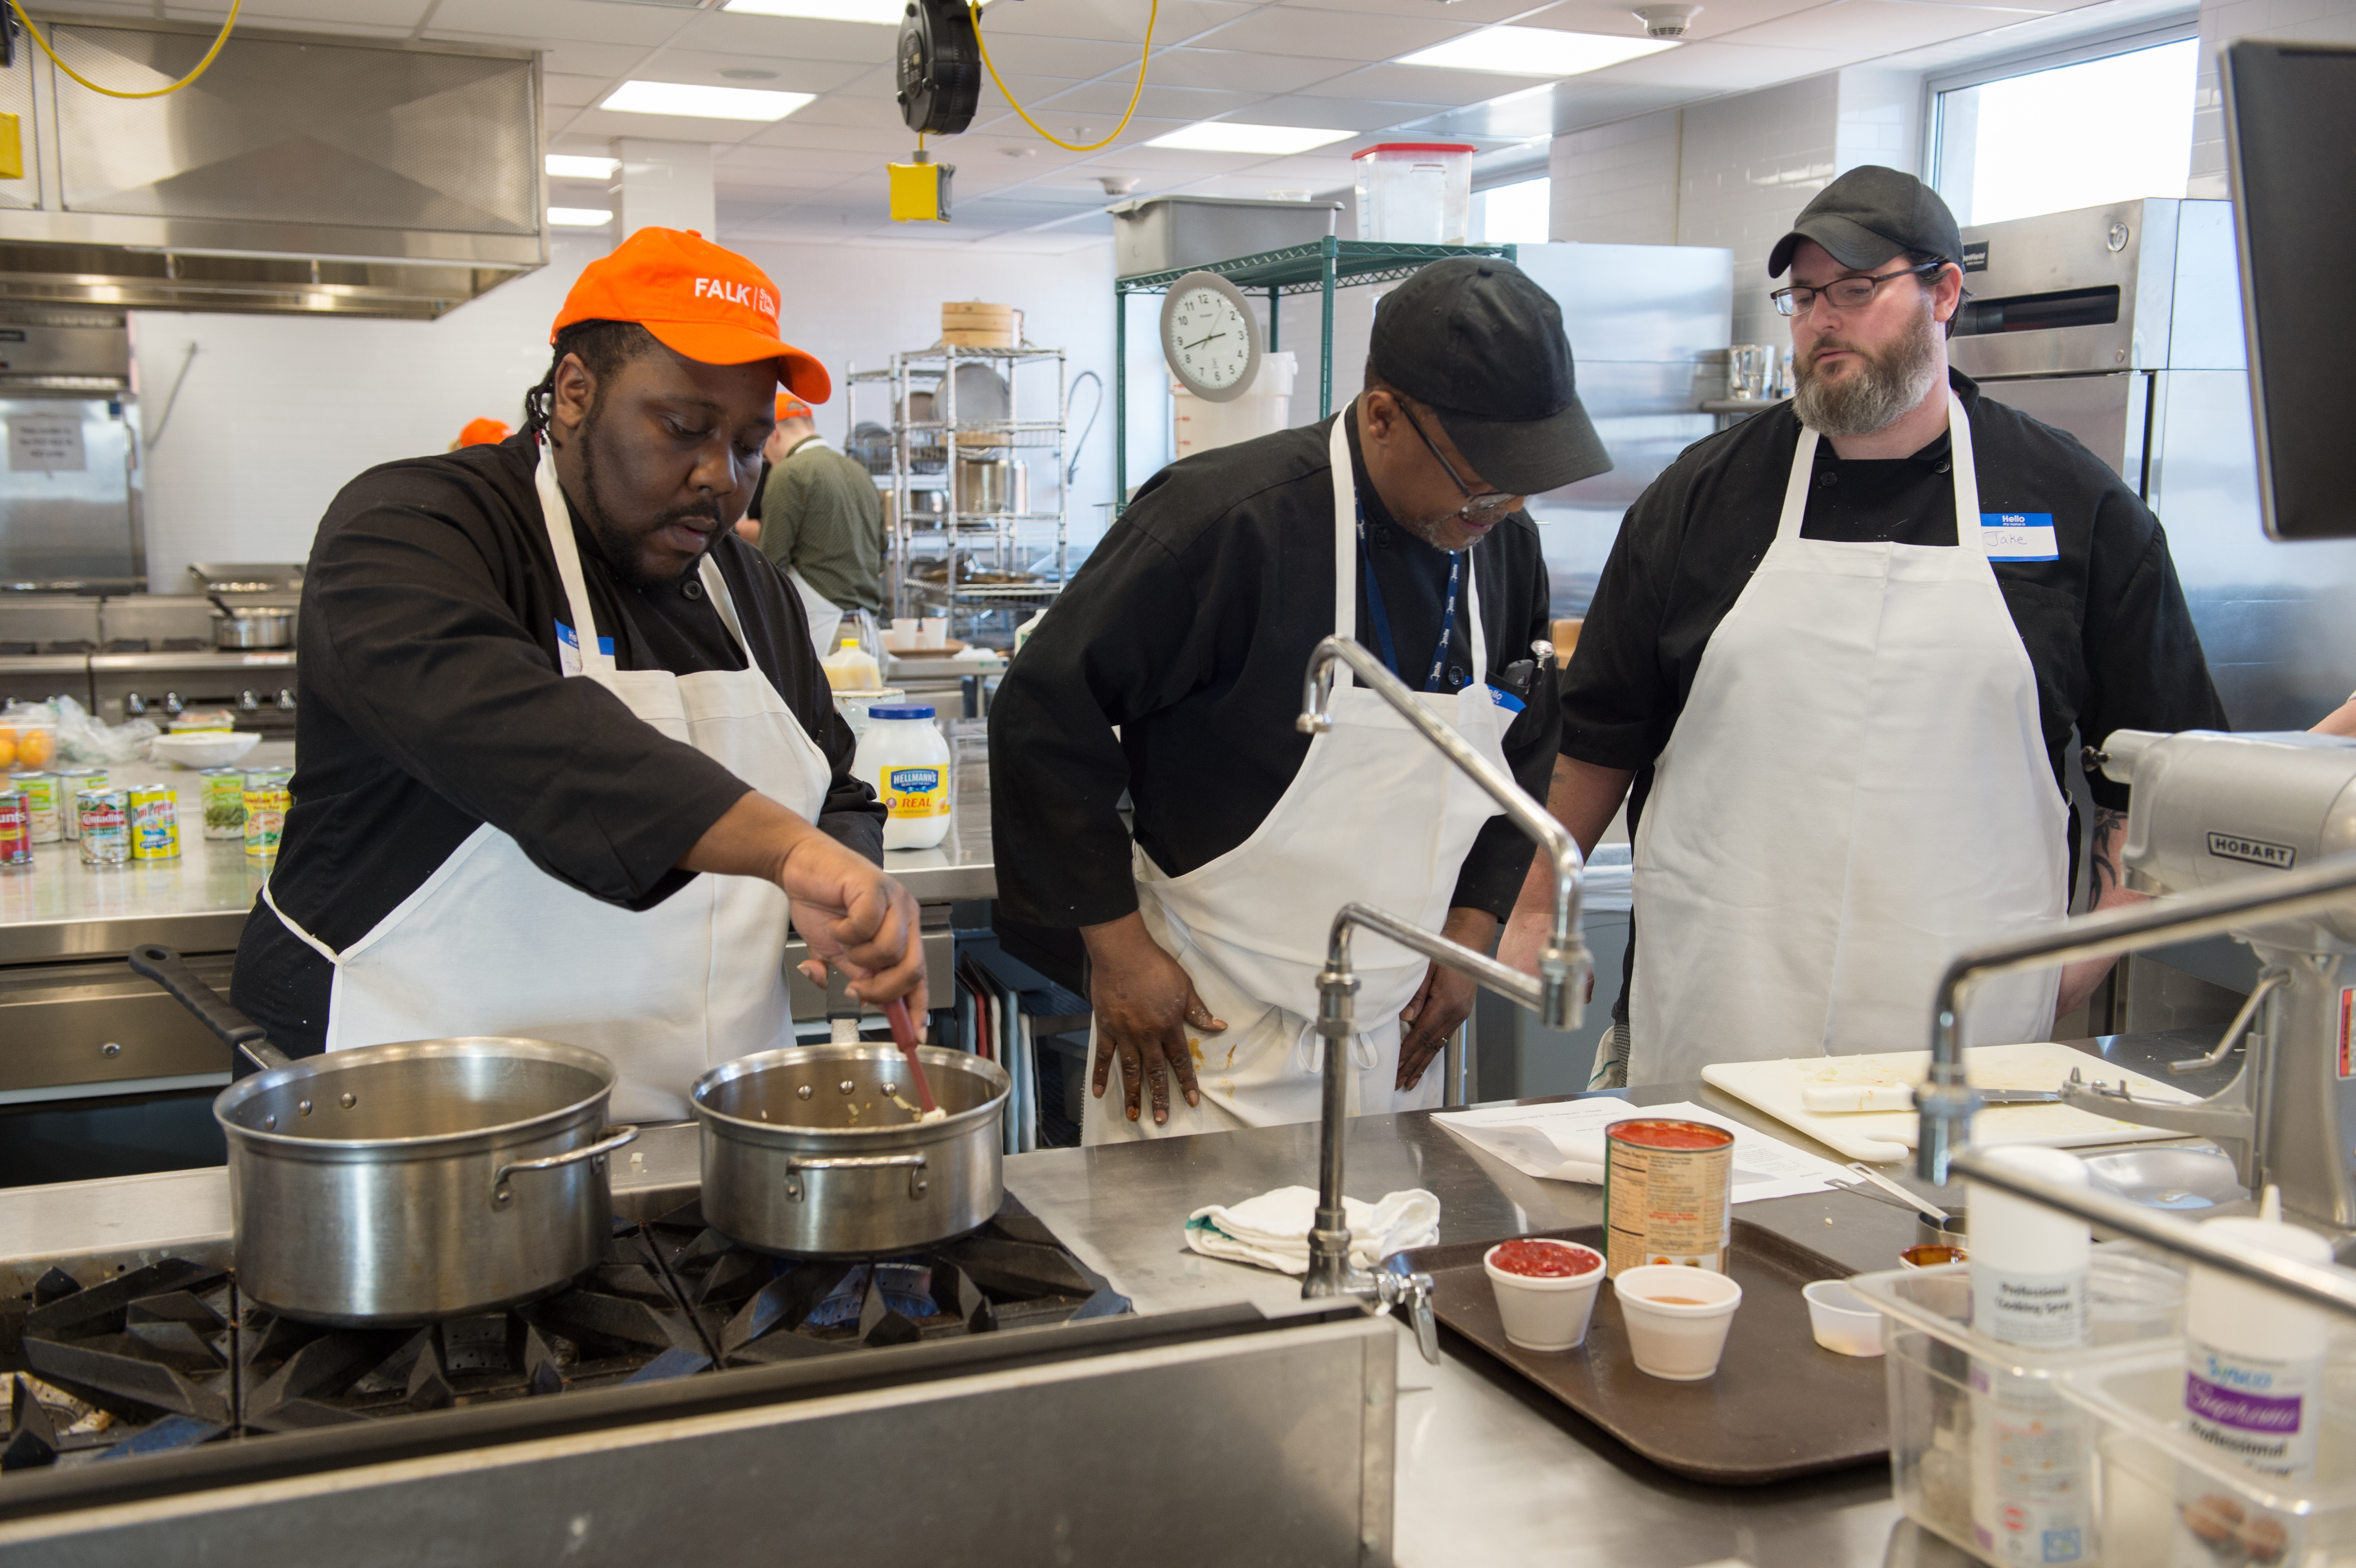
1487, 1469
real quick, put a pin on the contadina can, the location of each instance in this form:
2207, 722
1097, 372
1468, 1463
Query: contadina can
1665, 1189
105, 822
15, 832
266, 799
224, 802
40, 793
154, 823
71, 781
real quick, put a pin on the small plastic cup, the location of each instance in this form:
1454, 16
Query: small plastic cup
1843, 1321
933, 632
1546, 1312
907, 630
1676, 1318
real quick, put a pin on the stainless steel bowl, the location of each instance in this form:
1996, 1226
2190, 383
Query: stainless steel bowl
810, 1152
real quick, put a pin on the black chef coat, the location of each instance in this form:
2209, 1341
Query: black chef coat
1191, 627
2105, 626
430, 701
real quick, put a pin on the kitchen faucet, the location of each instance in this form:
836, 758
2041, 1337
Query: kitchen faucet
1556, 993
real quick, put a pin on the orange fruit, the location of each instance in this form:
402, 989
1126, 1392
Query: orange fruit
36, 747
8, 748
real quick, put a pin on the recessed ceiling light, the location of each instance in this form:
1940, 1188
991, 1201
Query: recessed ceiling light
886, 13
703, 102
571, 166
1229, 136
580, 217
1535, 51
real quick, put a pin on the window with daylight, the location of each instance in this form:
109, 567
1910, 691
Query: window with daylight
2112, 128
1511, 214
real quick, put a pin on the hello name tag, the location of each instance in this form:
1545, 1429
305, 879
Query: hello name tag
568, 649
2019, 535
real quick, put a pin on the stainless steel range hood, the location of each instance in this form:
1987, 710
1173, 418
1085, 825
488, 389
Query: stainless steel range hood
300, 175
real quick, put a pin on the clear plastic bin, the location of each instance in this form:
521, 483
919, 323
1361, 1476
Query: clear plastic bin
1415, 193
1987, 1448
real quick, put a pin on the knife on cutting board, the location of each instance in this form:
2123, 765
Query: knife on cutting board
1838, 1099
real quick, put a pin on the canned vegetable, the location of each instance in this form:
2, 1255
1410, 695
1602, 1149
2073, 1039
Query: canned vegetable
154, 817
1666, 1186
266, 800
224, 802
15, 832
103, 817
40, 793
71, 781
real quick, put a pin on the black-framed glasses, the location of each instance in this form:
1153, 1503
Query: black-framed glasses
1474, 504
1853, 292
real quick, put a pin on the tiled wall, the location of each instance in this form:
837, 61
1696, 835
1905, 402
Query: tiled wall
2223, 21
1616, 185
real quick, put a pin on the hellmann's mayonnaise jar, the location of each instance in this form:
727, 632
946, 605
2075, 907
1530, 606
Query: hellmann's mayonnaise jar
905, 757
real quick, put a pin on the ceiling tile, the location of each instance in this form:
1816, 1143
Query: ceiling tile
664, 127
1105, 100
562, 92
1337, 113
318, 16
1422, 84
1460, 11
1864, 28
1727, 66
605, 61
1609, 16
1240, 71
575, 21
784, 75
1328, 34
1119, 21
1075, 59
784, 38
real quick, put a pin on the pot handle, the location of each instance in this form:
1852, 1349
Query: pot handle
239, 1033
501, 1193
912, 1163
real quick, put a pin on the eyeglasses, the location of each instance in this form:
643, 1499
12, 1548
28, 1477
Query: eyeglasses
1848, 294
1475, 505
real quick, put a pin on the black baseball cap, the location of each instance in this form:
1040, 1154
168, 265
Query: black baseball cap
1482, 343
1869, 215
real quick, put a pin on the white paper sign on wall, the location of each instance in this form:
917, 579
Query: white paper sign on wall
45, 443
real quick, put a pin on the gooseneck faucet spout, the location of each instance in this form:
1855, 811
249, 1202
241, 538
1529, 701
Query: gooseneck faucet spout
1556, 993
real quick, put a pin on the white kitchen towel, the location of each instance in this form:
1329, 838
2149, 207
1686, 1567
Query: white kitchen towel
1272, 1230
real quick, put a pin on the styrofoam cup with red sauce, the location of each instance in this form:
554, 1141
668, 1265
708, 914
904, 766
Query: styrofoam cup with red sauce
1546, 1290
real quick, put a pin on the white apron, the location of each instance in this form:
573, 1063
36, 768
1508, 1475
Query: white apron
492, 944
1857, 788
1376, 814
825, 616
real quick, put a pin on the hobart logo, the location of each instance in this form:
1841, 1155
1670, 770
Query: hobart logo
745, 294
2255, 851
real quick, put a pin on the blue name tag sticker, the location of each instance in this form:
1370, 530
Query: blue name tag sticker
568, 648
2019, 535
1506, 700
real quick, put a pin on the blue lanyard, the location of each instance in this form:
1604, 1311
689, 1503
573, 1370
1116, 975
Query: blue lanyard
1382, 620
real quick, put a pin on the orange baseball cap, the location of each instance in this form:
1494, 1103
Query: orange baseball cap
484, 432
790, 407
699, 300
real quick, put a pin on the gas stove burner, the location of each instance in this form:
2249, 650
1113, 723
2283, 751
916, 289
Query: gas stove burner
16, 650
127, 645
184, 646
69, 645
170, 1356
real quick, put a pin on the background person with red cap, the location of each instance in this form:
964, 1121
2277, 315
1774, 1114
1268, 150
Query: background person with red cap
821, 520
566, 755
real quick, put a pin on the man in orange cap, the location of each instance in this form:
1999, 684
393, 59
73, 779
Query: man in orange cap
482, 432
822, 521
568, 760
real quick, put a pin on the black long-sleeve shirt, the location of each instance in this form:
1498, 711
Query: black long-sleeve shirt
1190, 629
431, 700
2108, 635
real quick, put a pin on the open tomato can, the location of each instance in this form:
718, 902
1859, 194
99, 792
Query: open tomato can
1667, 1191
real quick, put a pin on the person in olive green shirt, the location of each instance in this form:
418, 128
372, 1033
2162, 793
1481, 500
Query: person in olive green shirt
822, 523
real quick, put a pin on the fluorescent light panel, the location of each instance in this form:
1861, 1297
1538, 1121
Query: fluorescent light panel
580, 217
572, 166
1230, 136
703, 102
885, 13
1535, 51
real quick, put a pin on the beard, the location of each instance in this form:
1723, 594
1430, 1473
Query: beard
1877, 392
620, 544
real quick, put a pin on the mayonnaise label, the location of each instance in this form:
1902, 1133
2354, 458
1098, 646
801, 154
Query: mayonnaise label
914, 791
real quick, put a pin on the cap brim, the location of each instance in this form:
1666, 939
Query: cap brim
1845, 239
799, 373
1529, 457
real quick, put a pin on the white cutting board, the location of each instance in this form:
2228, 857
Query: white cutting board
1878, 1137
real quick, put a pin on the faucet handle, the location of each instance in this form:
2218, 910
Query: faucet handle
1414, 1291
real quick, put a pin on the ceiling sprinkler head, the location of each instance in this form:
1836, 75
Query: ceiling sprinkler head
1667, 21
1116, 185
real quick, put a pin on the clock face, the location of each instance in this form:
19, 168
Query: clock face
1207, 340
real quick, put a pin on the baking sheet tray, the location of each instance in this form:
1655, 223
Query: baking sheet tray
1780, 1406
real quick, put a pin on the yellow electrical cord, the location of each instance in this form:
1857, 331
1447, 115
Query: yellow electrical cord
1135, 93
202, 65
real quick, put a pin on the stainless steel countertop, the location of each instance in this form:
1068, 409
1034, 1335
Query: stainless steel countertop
62, 910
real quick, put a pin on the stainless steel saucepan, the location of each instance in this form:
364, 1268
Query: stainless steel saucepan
245, 627
816, 1151
409, 1182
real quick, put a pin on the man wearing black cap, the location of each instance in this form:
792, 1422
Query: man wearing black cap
1841, 650
1171, 667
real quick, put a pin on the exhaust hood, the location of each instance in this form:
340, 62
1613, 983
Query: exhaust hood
300, 175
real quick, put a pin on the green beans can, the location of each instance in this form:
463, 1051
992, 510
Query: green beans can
154, 815
224, 802
104, 825
71, 781
40, 792
267, 797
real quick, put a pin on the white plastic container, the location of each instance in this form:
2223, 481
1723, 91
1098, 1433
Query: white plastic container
1676, 1318
1264, 408
905, 757
1841, 1320
1546, 1312
1416, 192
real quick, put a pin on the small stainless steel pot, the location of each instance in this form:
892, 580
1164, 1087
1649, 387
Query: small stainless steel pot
243, 626
808, 1151
408, 1182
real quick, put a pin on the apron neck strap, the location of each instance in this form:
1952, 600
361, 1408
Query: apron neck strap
593, 658
1960, 465
1345, 557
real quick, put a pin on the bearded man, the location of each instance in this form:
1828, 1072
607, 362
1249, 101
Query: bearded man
1839, 651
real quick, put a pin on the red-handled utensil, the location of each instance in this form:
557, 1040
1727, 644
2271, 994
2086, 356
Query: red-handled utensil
904, 1035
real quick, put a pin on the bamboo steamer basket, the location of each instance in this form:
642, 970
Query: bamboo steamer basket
971, 323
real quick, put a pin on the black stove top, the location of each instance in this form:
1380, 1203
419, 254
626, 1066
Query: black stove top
169, 1356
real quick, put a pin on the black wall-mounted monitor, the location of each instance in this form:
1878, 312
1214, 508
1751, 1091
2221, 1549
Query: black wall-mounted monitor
2290, 134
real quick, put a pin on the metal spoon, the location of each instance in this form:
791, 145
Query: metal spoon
1918, 1204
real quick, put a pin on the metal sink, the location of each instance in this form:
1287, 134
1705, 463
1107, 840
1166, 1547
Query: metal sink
2179, 1178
